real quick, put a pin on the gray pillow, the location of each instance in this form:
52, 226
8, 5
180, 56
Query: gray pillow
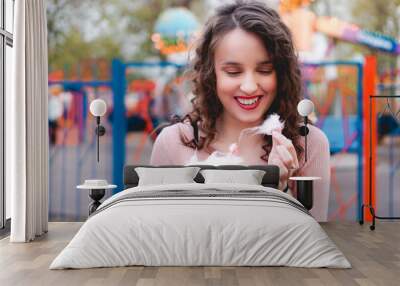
248, 177
163, 176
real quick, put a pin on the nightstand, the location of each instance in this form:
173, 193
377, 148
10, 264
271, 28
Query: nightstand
97, 190
305, 190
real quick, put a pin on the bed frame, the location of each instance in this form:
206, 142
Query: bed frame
270, 179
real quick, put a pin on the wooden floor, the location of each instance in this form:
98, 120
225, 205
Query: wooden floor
374, 255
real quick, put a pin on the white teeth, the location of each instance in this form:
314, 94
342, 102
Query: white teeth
247, 101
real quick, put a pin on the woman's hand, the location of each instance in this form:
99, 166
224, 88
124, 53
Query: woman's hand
283, 154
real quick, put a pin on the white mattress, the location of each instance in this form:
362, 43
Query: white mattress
183, 231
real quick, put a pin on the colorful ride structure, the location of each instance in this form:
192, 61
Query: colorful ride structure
136, 105
140, 95
304, 23
344, 121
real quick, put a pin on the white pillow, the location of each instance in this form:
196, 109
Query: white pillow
249, 177
163, 176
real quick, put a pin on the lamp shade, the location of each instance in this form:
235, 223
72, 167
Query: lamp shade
98, 107
305, 107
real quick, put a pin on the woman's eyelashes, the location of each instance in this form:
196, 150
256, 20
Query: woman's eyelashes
233, 73
236, 73
269, 71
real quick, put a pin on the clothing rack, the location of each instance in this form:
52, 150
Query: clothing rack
369, 205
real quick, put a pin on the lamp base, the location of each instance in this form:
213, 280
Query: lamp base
100, 130
303, 130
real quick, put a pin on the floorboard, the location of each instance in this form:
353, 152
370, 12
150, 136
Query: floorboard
374, 255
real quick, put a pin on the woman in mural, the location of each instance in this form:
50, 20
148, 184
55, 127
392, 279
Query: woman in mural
245, 69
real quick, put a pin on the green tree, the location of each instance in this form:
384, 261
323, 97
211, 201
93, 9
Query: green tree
79, 30
381, 16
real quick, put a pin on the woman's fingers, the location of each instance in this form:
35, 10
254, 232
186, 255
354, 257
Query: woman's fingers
281, 141
285, 156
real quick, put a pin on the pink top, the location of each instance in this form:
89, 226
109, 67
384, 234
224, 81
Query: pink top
168, 149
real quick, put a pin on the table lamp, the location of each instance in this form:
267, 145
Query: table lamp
305, 184
305, 108
98, 108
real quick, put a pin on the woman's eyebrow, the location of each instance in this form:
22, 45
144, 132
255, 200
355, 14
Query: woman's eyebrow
230, 63
267, 62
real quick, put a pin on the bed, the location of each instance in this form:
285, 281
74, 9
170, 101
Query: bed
200, 223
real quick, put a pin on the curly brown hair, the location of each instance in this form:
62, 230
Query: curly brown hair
256, 18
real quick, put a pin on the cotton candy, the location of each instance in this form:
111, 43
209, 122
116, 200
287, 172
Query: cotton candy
217, 158
272, 123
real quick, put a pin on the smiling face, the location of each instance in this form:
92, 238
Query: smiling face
246, 79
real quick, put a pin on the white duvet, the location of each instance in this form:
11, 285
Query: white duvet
181, 231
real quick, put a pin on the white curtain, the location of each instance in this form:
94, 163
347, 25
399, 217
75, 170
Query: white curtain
27, 124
